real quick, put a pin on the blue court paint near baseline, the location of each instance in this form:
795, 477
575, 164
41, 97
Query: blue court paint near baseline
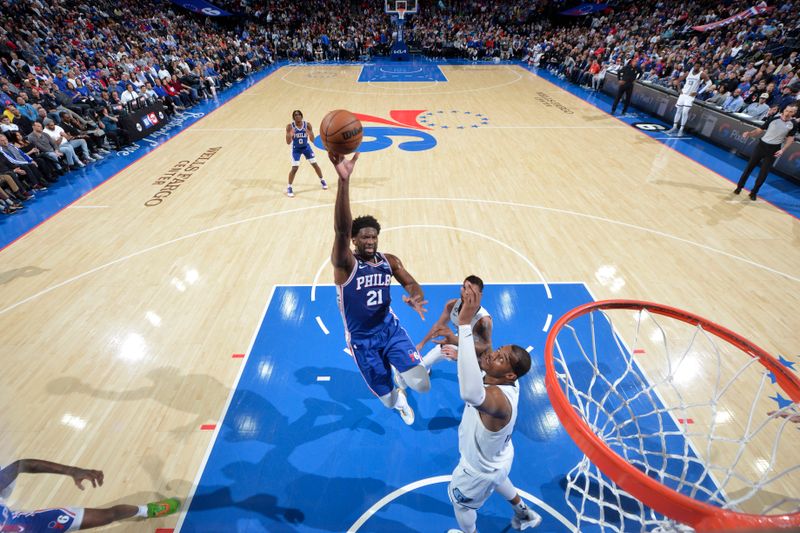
414, 72
298, 454
779, 191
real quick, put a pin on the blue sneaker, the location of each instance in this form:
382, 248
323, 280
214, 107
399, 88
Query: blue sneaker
324, 184
289, 192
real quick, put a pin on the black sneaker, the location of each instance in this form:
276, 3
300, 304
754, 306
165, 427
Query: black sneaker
753, 196
737, 190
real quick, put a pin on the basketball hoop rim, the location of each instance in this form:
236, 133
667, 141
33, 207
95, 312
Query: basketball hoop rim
699, 515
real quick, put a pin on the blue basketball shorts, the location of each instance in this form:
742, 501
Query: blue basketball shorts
391, 347
307, 152
45, 521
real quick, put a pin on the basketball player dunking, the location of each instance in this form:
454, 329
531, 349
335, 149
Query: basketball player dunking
363, 278
300, 134
484, 435
691, 84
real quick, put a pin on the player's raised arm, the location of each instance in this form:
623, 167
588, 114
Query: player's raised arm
341, 256
416, 298
289, 134
489, 400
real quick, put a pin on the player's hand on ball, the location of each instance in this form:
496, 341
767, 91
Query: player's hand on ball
81, 474
344, 167
416, 303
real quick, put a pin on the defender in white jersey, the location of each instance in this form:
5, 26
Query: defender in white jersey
447, 344
691, 85
484, 435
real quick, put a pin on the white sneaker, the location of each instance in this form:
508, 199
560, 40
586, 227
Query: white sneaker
531, 519
289, 192
680, 132
672, 130
406, 412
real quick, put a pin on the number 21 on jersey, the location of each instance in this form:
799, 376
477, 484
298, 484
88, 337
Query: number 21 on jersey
374, 297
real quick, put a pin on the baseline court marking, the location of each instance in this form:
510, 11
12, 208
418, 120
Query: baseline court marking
212, 229
188, 502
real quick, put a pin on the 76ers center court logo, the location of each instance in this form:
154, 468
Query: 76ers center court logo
403, 128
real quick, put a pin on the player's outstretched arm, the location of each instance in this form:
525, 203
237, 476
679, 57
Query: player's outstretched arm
416, 298
341, 256
37, 466
488, 400
441, 322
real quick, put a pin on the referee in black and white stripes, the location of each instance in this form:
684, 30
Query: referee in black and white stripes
778, 134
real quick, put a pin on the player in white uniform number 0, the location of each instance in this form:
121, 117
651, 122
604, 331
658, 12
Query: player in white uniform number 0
685, 101
484, 435
447, 344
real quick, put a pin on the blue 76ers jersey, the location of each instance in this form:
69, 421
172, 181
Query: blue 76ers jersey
364, 299
299, 136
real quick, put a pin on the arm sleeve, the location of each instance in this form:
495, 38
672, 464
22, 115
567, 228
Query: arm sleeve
470, 381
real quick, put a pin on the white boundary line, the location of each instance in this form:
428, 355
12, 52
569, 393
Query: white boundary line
322, 325
407, 199
511, 68
377, 506
187, 503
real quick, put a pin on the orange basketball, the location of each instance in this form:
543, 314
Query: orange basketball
341, 132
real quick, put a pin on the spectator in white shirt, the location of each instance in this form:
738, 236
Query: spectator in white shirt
67, 146
758, 110
129, 94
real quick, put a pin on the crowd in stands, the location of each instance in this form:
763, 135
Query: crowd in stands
70, 69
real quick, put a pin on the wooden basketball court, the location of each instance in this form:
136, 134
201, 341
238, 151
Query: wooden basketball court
120, 315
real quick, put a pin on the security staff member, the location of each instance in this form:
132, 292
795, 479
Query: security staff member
778, 134
627, 75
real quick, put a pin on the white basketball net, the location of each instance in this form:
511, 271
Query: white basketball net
633, 379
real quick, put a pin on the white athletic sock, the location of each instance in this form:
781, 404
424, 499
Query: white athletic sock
142, 512
520, 509
401, 402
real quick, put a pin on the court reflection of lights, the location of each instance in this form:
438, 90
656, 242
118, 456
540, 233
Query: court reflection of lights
178, 284
762, 465
686, 370
538, 387
133, 348
265, 370
246, 425
607, 276
289, 305
191, 276
73, 421
153, 318
506, 305
723, 417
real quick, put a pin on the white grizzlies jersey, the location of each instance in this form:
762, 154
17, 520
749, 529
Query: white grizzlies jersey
692, 83
482, 449
457, 307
